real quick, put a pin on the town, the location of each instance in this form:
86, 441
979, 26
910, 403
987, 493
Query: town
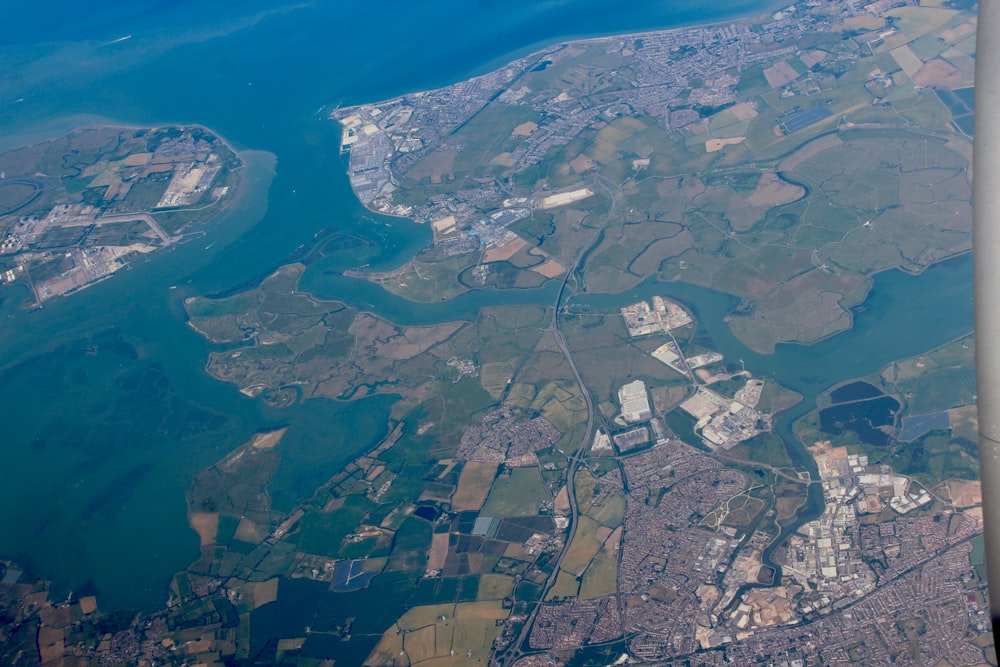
386, 141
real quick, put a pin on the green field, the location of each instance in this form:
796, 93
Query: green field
323, 533
765, 448
610, 512
426, 280
601, 577
494, 587
15, 195
940, 389
516, 494
566, 586
775, 398
978, 555
584, 547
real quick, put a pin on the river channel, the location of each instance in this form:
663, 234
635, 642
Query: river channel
108, 413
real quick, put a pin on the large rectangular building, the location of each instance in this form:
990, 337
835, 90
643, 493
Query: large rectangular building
635, 402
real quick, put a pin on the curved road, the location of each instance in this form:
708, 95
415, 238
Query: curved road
510, 655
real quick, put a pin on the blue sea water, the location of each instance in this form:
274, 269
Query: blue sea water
98, 444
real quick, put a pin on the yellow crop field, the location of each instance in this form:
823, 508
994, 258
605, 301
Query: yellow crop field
473, 485
585, 545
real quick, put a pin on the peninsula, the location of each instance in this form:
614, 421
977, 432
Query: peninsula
783, 161
75, 210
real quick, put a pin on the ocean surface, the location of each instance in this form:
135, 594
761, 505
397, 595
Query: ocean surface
107, 411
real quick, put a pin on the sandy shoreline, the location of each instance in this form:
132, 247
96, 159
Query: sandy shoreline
543, 45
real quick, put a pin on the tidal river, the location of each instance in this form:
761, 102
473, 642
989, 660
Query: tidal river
107, 411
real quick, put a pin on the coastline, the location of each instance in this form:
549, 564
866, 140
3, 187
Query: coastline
853, 310
139, 306
233, 164
127, 536
242, 208
59, 126
525, 57
537, 46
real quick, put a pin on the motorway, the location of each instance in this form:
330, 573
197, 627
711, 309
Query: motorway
513, 652
516, 649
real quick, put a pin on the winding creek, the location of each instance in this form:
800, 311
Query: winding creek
99, 388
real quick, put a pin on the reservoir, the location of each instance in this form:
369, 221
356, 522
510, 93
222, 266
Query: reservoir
108, 411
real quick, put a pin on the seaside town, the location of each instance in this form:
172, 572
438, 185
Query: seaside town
388, 139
